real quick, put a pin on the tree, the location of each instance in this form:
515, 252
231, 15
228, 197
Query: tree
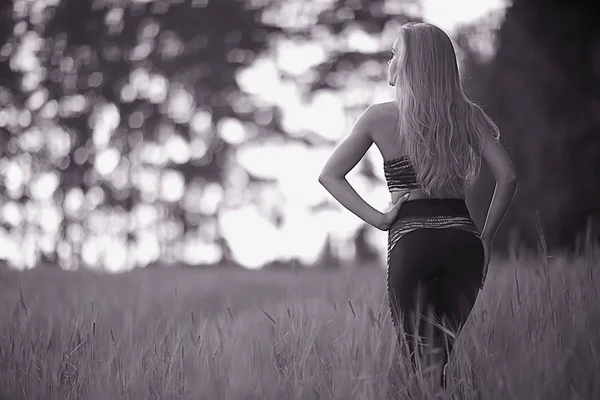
542, 90
117, 78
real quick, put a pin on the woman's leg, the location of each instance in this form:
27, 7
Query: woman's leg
412, 290
433, 275
458, 281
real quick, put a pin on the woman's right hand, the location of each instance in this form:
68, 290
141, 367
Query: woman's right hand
486, 259
388, 217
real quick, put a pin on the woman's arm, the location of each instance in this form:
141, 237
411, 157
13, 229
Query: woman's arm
504, 173
345, 157
501, 199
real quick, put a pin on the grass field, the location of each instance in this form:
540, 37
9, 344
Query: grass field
228, 334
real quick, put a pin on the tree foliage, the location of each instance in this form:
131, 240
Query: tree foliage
542, 90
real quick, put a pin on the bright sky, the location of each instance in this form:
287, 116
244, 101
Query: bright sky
447, 14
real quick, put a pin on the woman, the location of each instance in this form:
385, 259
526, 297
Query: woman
432, 139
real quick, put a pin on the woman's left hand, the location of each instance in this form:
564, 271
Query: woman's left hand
390, 215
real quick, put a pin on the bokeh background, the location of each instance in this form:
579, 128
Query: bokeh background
139, 133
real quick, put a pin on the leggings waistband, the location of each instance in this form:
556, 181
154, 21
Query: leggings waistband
434, 208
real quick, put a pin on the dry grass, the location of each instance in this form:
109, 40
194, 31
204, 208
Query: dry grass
184, 334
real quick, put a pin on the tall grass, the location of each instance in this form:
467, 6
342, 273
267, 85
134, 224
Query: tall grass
180, 334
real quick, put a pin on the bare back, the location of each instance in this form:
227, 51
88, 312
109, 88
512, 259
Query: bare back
384, 136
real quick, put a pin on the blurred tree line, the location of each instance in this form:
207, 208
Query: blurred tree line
543, 89
92, 90
91, 80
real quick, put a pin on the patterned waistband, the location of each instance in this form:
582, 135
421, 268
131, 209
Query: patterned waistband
433, 208
401, 227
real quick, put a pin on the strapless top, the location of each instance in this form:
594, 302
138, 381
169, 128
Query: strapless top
400, 174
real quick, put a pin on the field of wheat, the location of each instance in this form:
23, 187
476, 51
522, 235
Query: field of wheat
230, 334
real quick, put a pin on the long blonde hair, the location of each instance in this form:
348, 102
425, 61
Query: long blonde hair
436, 120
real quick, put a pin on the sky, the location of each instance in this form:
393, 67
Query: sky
448, 14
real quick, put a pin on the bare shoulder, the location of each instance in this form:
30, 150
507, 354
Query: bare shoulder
379, 112
382, 117
385, 108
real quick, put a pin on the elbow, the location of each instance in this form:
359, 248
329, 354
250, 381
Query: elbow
509, 181
512, 179
515, 183
509, 178
323, 179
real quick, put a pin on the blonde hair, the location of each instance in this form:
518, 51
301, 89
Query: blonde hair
436, 120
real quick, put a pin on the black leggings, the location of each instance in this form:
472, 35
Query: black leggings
433, 272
